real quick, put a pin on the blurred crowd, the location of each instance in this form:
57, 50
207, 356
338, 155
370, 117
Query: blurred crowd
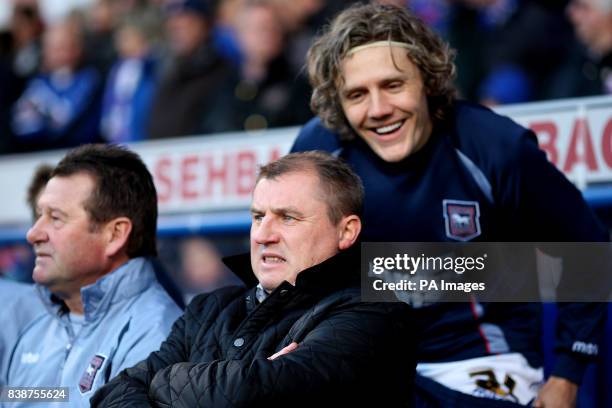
123, 71
129, 70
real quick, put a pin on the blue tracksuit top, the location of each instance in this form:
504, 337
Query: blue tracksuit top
476, 156
127, 315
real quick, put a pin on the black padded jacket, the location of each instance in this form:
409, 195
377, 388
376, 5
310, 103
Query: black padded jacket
350, 352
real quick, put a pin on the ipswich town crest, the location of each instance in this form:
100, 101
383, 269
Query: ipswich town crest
89, 375
461, 219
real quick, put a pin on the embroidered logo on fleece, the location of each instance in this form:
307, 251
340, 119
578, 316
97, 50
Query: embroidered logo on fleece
89, 375
461, 219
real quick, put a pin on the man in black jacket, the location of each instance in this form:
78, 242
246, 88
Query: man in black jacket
231, 347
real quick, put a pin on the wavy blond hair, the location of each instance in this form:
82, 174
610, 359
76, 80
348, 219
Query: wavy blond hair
363, 24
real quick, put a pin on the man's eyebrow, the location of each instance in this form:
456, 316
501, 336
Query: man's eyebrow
57, 210
399, 77
287, 210
279, 211
402, 76
345, 90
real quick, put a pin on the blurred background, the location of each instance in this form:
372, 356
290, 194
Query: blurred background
199, 87
76, 71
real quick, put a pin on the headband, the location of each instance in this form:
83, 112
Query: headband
377, 44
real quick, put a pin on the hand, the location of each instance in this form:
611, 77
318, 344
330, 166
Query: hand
557, 392
286, 350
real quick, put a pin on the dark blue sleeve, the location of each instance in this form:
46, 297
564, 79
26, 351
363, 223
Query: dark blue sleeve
550, 209
314, 136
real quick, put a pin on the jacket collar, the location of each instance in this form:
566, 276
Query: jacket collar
125, 282
338, 272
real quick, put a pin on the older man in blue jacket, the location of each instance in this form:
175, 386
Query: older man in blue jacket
105, 311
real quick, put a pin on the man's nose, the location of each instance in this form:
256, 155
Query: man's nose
379, 106
36, 232
266, 232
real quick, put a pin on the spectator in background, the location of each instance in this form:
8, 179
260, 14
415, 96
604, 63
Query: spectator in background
100, 22
193, 71
301, 19
59, 107
523, 51
507, 49
131, 84
27, 29
93, 238
224, 30
472, 27
18, 64
592, 21
264, 92
102, 19
202, 270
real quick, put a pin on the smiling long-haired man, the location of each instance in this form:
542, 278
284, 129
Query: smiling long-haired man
436, 169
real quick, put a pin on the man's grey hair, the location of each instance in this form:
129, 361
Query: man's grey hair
340, 187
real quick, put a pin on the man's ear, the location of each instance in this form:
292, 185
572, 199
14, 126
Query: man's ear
117, 232
348, 230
